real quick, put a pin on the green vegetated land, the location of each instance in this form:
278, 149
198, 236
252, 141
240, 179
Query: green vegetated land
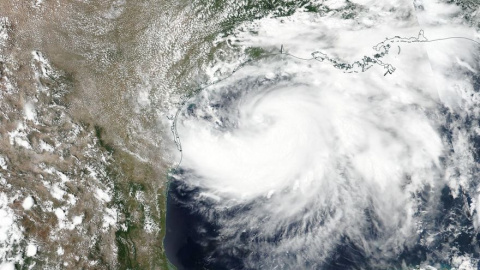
138, 195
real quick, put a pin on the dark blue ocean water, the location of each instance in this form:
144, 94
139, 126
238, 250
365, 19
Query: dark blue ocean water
183, 224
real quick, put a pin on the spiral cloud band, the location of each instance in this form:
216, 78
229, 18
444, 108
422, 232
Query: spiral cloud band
296, 159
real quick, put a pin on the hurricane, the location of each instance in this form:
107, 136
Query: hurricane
334, 149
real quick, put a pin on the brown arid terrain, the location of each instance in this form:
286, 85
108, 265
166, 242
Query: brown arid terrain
85, 88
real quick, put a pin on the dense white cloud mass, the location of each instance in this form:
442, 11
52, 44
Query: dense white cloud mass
302, 157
